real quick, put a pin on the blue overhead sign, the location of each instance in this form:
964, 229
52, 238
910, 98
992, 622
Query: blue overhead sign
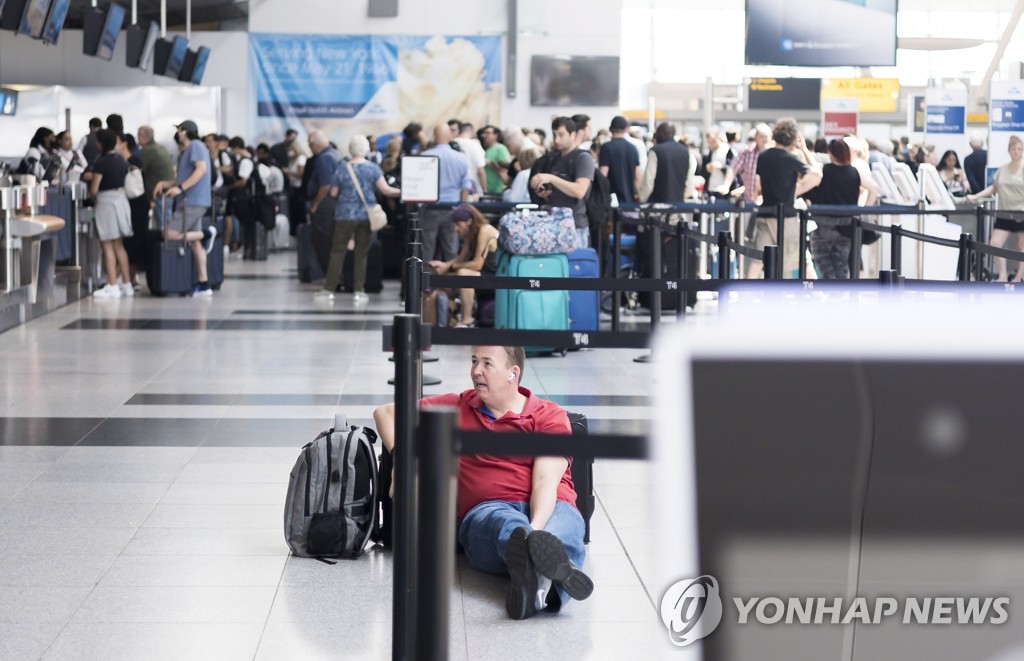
1007, 115
945, 119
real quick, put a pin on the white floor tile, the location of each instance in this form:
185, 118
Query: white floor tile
194, 571
160, 641
177, 604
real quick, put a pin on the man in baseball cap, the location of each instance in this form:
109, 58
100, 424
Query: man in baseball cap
192, 199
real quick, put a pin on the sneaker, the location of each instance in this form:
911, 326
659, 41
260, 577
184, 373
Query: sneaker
360, 297
540, 601
324, 295
202, 290
127, 291
136, 286
107, 291
551, 560
522, 590
227, 253
209, 241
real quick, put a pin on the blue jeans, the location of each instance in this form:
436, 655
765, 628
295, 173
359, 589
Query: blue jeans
582, 237
485, 530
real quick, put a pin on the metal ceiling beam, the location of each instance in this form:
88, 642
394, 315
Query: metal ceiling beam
979, 95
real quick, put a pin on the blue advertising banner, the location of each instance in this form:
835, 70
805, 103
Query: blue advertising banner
945, 119
372, 84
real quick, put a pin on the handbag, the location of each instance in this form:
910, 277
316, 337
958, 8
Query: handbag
529, 232
375, 214
133, 184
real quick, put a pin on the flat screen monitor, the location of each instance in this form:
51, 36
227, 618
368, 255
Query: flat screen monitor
202, 57
34, 19
55, 21
111, 30
574, 81
8, 101
141, 40
11, 13
821, 33
176, 58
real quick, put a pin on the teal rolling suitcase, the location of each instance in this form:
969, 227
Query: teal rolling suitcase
535, 310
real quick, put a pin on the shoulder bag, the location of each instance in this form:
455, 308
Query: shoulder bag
378, 219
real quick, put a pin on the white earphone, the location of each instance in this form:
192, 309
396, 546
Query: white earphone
511, 376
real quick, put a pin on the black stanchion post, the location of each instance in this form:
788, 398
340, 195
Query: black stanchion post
617, 268
888, 279
896, 249
723, 255
855, 248
803, 244
683, 261
771, 263
780, 217
435, 561
406, 341
963, 265
982, 234
655, 230
413, 277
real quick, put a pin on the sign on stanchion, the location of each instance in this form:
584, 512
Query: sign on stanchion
421, 179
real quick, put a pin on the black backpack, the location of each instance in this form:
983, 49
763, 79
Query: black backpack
599, 200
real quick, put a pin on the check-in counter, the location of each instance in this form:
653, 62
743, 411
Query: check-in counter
39, 231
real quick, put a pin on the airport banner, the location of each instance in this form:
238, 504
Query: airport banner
839, 117
1005, 118
945, 123
371, 84
872, 94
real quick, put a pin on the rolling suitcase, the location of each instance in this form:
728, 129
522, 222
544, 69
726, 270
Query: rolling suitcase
255, 242
170, 268
310, 269
215, 258
584, 306
374, 282
535, 310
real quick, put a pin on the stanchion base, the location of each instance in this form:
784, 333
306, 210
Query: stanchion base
427, 358
649, 358
427, 381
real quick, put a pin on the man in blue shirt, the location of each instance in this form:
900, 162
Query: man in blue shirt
318, 192
190, 190
455, 182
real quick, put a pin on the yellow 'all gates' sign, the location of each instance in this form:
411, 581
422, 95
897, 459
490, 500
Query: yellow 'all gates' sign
874, 94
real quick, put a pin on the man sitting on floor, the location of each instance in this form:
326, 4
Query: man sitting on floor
515, 514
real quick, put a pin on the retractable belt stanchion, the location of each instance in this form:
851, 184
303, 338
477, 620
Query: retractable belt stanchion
780, 218
855, 248
888, 279
617, 268
771, 263
723, 255
803, 244
435, 557
414, 306
896, 249
963, 265
406, 342
683, 261
655, 229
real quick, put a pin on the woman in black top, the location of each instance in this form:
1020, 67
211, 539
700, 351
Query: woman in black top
135, 245
112, 215
840, 184
477, 257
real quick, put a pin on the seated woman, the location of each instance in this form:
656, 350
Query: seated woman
477, 257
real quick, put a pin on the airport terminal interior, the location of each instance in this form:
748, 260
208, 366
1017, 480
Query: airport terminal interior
149, 427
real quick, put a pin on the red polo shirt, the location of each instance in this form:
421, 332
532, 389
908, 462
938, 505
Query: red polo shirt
485, 477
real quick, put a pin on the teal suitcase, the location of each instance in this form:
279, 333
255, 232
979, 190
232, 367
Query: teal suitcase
534, 310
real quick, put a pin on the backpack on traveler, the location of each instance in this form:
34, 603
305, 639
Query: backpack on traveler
262, 205
331, 508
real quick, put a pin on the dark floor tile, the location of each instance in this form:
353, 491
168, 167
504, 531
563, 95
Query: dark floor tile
45, 431
179, 324
285, 400
265, 432
366, 400
179, 432
179, 399
255, 324
105, 324
325, 313
339, 325
257, 276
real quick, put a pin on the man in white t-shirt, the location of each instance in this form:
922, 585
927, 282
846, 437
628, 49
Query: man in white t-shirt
474, 151
717, 159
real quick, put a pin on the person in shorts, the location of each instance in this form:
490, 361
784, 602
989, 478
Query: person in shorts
191, 192
1009, 184
113, 216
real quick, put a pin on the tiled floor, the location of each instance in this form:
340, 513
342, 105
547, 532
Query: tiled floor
145, 446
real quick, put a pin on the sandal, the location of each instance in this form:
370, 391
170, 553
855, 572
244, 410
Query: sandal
466, 324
